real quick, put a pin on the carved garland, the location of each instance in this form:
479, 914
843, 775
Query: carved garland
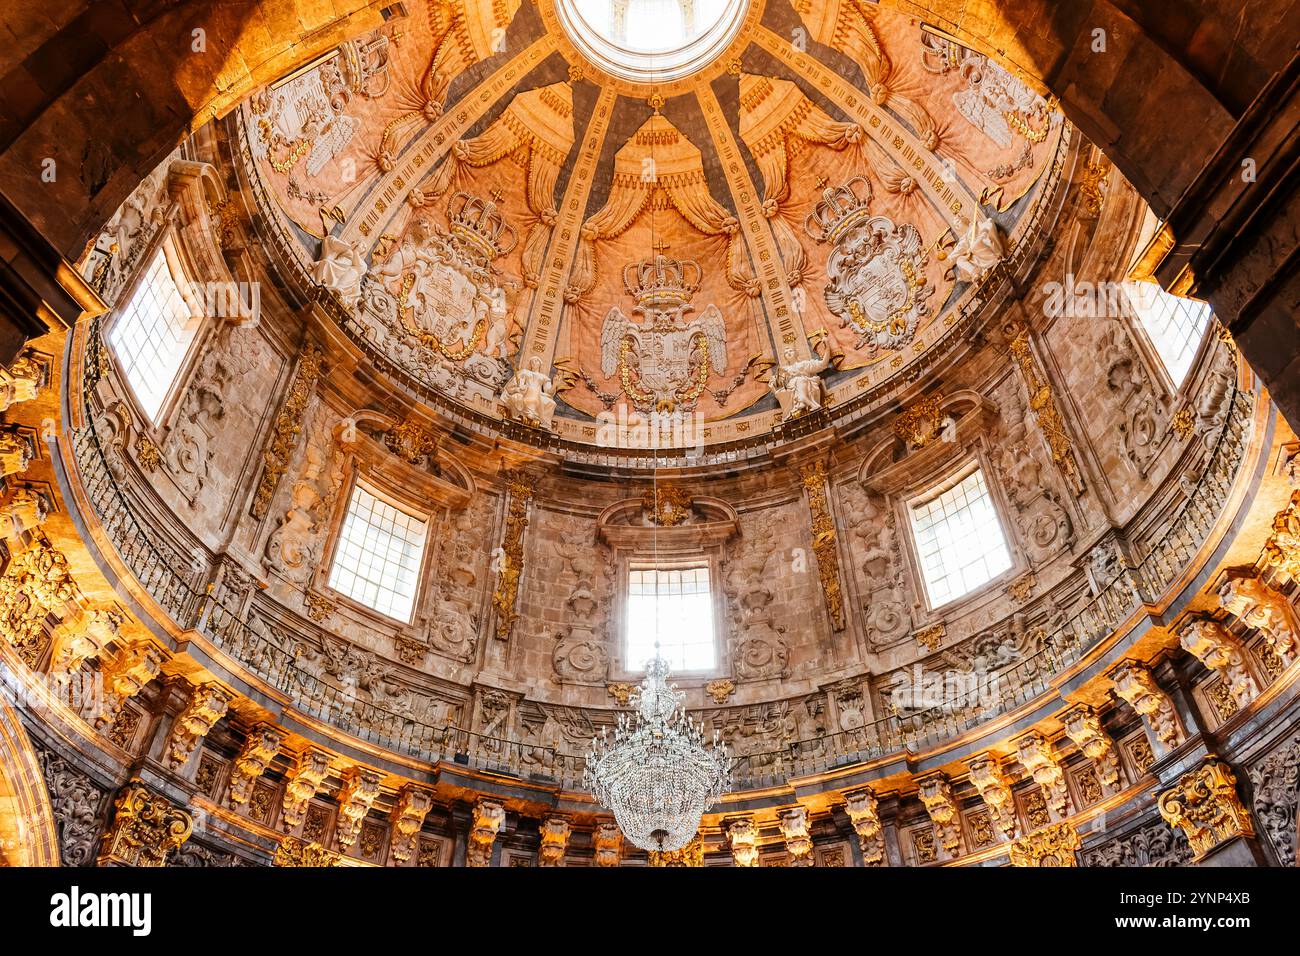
288, 424
1043, 403
511, 556
823, 530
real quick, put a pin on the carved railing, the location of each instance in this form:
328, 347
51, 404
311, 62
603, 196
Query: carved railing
158, 566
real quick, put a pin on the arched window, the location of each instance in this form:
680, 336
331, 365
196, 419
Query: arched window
379, 552
959, 538
673, 607
153, 332
1173, 324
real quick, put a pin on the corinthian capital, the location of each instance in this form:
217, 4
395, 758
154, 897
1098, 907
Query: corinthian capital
1206, 807
1212, 644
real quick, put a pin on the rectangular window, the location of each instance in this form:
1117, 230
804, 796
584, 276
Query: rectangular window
1174, 325
959, 539
151, 335
377, 561
674, 607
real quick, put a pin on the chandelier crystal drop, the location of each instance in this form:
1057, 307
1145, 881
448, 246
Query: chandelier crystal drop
656, 774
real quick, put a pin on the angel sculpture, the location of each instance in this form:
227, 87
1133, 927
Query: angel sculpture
798, 385
529, 396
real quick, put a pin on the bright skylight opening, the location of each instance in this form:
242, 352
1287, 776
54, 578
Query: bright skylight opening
377, 562
651, 41
959, 540
674, 607
1174, 325
152, 334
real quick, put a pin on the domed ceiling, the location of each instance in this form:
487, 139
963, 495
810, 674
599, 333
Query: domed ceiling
476, 188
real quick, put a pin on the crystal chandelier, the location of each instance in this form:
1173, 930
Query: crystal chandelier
656, 775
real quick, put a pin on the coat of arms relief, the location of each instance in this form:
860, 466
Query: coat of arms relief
663, 360
876, 269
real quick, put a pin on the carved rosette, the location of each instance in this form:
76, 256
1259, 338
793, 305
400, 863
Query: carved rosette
813, 477
288, 424
1083, 726
146, 827
555, 833
488, 818
608, 841
742, 835
1206, 807
1054, 845
511, 555
864, 812
293, 852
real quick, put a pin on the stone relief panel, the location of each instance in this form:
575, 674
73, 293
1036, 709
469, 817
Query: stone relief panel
871, 536
454, 604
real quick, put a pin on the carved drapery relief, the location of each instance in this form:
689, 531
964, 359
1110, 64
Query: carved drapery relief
1275, 786
357, 795
145, 828
825, 545
1255, 604
1220, 651
301, 783
995, 790
488, 818
412, 806
1206, 807
1083, 726
864, 813
510, 557
798, 841
936, 793
207, 704
1054, 846
1135, 684
260, 747
288, 423
1039, 758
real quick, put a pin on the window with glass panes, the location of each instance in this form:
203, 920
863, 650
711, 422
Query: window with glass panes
152, 334
959, 539
674, 608
1174, 325
377, 559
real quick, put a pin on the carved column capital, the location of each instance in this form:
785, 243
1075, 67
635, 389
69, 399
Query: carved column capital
413, 805
555, 831
1053, 845
1083, 726
742, 835
1215, 647
301, 783
864, 813
798, 840
358, 794
207, 704
1259, 606
1135, 683
608, 841
936, 793
146, 827
1204, 804
489, 815
995, 790
260, 747
125, 674
293, 852
1039, 757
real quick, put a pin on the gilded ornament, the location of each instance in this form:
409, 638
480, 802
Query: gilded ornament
1053, 846
1043, 403
511, 554
147, 453
721, 689
666, 505
824, 545
1206, 807
690, 855
293, 852
1184, 422
146, 827
931, 637
288, 424
921, 422
411, 442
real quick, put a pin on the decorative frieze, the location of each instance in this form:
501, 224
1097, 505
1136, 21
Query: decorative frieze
288, 424
413, 805
301, 783
260, 747
1135, 684
798, 841
1054, 846
293, 852
1083, 726
1206, 807
509, 559
488, 818
825, 547
1259, 606
1212, 644
995, 790
936, 793
357, 795
742, 835
608, 842
208, 703
864, 813
1039, 758
555, 831
146, 827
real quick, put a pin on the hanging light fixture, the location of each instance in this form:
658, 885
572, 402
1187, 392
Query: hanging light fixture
656, 775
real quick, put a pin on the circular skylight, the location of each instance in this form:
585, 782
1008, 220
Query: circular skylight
651, 41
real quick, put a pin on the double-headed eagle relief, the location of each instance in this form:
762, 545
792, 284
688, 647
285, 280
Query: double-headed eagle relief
876, 270
663, 361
